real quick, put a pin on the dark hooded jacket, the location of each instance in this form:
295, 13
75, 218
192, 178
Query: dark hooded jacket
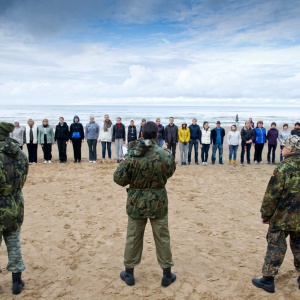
76, 130
62, 132
272, 136
146, 169
13, 174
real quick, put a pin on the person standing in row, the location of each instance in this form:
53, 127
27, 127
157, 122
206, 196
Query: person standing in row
118, 138
205, 142
272, 136
217, 136
61, 137
106, 136
281, 210
296, 130
251, 123
13, 174
184, 138
237, 123
195, 132
92, 135
283, 134
259, 141
171, 136
143, 122
46, 140
19, 134
146, 170
247, 136
131, 132
31, 132
160, 133
233, 140
76, 138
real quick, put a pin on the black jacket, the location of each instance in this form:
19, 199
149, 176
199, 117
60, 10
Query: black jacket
131, 134
214, 135
161, 132
62, 132
295, 132
171, 134
76, 131
118, 132
247, 134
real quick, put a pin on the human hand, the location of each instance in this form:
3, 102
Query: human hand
264, 221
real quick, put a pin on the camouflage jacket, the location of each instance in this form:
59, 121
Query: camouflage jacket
281, 203
146, 169
13, 172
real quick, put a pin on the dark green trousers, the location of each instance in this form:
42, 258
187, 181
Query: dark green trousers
135, 237
277, 247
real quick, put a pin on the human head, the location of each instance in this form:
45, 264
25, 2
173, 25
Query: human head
171, 120
297, 125
233, 127
291, 145
131, 122
30, 122
61, 120
273, 124
17, 124
157, 121
205, 124
76, 119
45, 121
92, 118
118, 120
194, 121
106, 117
285, 126
6, 128
259, 124
218, 124
250, 120
143, 121
248, 124
149, 130
184, 125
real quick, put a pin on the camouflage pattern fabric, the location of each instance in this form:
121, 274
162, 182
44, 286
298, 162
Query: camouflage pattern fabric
13, 173
13, 245
146, 169
277, 248
281, 203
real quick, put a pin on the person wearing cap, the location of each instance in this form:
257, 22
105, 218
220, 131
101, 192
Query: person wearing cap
143, 122
281, 210
18, 134
31, 134
13, 174
217, 136
184, 138
131, 132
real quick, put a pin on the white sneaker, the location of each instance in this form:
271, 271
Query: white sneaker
49, 161
206, 163
94, 161
91, 161
45, 162
261, 162
255, 161
203, 164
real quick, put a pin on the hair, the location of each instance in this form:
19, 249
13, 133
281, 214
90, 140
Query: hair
233, 126
247, 122
297, 123
205, 122
30, 120
194, 119
45, 119
92, 117
149, 130
171, 118
62, 118
287, 125
157, 119
259, 122
106, 115
273, 123
119, 118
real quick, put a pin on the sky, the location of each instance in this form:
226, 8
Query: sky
150, 52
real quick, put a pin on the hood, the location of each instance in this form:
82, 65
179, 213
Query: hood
76, 117
140, 147
9, 146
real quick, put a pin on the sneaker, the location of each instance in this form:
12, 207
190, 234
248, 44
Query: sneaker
255, 161
206, 163
49, 161
203, 164
30, 163
261, 162
221, 163
189, 163
45, 162
91, 161
268, 162
197, 163
94, 161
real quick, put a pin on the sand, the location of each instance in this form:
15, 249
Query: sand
75, 226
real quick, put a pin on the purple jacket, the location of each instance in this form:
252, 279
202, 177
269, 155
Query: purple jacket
272, 136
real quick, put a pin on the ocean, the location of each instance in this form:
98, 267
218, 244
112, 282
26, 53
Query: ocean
225, 114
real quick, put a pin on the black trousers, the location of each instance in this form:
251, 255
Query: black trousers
204, 152
248, 148
271, 148
62, 149
172, 147
77, 149
32, 152
258, 152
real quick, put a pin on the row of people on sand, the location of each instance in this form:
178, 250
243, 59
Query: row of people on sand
189, 138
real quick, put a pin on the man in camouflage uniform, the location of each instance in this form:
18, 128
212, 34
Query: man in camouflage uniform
281, 210
146, 169
13, 172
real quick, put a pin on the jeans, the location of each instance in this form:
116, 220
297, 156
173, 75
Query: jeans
258, 152
62, 149
248, 148
160, 142
183, 151
271, 148
192, 143
232, 151
213, 157
281, 156
119, 150
104, 146
204, 152
92, 143
172, 147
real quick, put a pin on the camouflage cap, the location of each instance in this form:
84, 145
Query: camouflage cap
292, 143
6, 128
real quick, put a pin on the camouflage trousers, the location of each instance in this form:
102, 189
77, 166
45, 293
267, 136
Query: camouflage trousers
277, 247
135, 237
13, 245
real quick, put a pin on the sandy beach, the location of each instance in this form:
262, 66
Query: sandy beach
75, 226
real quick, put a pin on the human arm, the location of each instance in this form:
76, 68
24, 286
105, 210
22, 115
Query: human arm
122, 174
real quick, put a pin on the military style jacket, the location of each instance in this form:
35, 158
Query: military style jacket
281, 203
146, 169
13, 173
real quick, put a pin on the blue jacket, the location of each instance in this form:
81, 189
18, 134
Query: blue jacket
214, 135
260, 135
195, 132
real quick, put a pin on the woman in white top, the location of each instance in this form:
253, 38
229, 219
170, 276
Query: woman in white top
31, 136
233, 140
205, 142
106, 131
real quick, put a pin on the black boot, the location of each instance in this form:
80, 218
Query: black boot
128, 276
168, 277
18, 283
299, 281
266, 283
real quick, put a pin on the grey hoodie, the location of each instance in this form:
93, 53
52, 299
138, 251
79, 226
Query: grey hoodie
283, 134
19, 135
